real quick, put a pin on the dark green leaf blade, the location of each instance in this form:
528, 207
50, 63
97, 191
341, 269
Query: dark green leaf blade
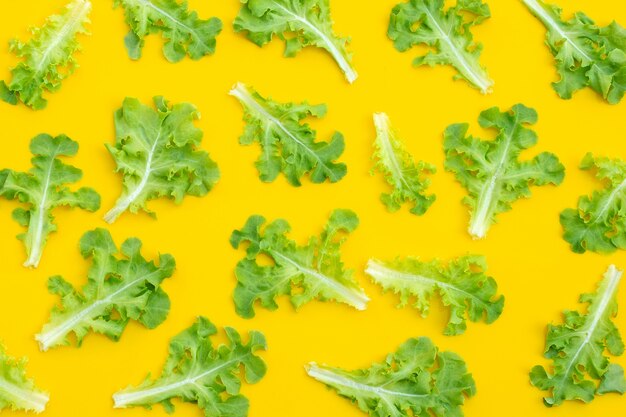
197, 372
580, 369
490, 170
586, 55
183, 32
416, 379
44, 188
446, 32
48, 57
598, 223
288, 145
462, 284
121, 286
157, 151
315, 269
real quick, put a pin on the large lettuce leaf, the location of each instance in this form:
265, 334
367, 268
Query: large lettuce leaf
490, 170
599, 222
183, 32
47, 58
157, 152
446, 32
44, 188
121, 286
576, 347
288, 146
461, 283
308, 272
308, 21
416, 380
198, 372
586, 55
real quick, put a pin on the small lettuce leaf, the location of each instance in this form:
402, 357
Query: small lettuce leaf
183, 32
305, 273
599, 222
490, 170
288, 146
121, 286
197, 372
17, 392
577, 347
416, 379
157, 152
48, 57
308, 21
44, 188
408, 179
447, 34
586, 55
462, 285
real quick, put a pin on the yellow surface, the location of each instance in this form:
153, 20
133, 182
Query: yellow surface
534, 267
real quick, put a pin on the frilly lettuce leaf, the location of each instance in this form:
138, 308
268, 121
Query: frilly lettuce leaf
305, 273
198, 372
447, 34
183, 32
48, 57
490, 170
17, 392
121, 286
309, 22
44, 188
599, 222
288, 146
462, 285
157, 152
408, 179
586, 55
576, 347
416, 380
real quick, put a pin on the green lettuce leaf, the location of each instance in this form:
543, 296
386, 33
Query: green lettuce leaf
288, 146
599, 222
490, 170
17, 392
586, 55
48, 57
408, 179
157, 152
416, 380
447, 34
462, 285
305, 273
183, 32
577, 347
308, 21
197, 372
44, 188
121, 286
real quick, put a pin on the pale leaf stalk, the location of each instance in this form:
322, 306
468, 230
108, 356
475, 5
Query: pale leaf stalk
124, 202
328, 377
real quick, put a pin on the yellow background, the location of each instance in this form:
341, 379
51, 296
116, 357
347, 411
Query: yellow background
534, 267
